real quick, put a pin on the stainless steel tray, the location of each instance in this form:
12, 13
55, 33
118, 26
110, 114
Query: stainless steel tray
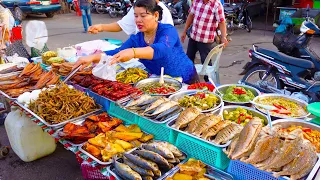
169, 80
111, 170
171, 123
285, 123
212, 171
223, 89
254, 112
179, 95
7, 96
300, 102
59, 125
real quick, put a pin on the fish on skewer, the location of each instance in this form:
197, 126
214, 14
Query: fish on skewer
158, 148
227, 133
207, 123
148, 165
247, 138
215, 129
141, 171
141, 99
163, 109
154, 157
125, 171
195, 123
155, 104
186, 117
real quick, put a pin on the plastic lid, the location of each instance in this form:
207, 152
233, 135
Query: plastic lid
314, 108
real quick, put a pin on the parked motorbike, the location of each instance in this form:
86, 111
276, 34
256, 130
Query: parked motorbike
237, 17
177, 20
102, 6
276, 72
119, 8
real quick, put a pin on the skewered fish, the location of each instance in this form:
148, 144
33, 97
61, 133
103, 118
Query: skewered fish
126, 172
194, 123
215, 129
158, 148
207, 123
138, 101
227, 133
155, 104
186, 117
247, 138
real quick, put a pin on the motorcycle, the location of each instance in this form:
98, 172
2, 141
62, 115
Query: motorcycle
102, 6
237, 17
177, 20
119, 8
276, 72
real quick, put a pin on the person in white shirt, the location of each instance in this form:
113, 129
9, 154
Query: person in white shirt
127, 23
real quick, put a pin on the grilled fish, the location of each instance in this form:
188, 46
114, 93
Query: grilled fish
148, 165
227, 133
290, 149
141, 99
215, 129
194, 123
305, 158
207, 123
163, 151
154, 157
247, 138
175, 151
147, 178
263, 149
126, 172
163, 107
141, 171
307, 169
155, 104
186, 117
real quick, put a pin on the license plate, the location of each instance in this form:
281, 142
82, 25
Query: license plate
45, 3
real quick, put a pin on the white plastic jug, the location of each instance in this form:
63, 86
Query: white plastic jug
26, 138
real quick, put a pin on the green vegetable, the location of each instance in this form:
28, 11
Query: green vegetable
239, 116
202, 100
231, 96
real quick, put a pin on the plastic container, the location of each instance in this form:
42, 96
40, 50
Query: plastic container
211, 155
123, 114
113, 41
104, 102
160, 131
26, 138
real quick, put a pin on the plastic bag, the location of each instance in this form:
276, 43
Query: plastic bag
104, 70
36, 34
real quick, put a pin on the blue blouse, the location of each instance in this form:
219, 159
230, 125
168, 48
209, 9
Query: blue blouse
168, 53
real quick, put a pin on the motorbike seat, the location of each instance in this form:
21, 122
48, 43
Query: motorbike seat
288, 59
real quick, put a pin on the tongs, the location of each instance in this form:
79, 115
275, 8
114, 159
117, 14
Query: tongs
72, 73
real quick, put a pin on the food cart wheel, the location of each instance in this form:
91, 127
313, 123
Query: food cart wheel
4, 151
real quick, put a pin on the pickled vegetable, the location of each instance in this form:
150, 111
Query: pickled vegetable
131, 75
157, 88
238, 94
204, 101
240, 116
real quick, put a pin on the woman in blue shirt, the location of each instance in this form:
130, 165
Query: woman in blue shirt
156, 45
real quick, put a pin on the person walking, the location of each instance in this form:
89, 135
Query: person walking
127, 23
86, 14
204, 18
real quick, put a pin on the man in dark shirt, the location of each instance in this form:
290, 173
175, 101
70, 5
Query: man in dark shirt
85, 11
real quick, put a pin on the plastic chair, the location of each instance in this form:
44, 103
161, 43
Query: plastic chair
211, 71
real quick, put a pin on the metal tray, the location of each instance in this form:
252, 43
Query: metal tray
181, 94
212, 171
150, 80
171, 123
118, 72
254, 112
7, 96
59, 125
223, 89
300, 102
111, 170
285, 123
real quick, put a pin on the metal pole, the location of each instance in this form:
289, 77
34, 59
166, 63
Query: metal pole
265, 26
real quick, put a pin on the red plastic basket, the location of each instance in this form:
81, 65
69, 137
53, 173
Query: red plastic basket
92, 173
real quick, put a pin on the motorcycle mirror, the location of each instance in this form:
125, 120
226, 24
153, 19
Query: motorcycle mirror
169, 4
233, 4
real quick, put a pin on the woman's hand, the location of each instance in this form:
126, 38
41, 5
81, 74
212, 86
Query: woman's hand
86, 61
123, 56
95, 29
183, 36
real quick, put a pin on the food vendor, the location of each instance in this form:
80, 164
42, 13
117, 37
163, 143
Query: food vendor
156, 45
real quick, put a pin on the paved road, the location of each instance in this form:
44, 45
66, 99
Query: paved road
62, 164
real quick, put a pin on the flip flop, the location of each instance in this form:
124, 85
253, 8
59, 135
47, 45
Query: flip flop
4, 151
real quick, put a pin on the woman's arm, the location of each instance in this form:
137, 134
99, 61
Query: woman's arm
128, 44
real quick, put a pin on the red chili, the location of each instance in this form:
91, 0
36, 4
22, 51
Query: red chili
239, 121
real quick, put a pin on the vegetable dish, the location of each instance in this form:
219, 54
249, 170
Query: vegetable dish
238, 94
204, 101
240, 116
131, 75
157, 88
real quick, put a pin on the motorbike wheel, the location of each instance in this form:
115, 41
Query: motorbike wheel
249, 24
254, 78
112, 13
100, 9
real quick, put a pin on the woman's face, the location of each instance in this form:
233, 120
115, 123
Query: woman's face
145, 20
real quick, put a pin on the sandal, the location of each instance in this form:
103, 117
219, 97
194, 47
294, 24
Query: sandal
4, 151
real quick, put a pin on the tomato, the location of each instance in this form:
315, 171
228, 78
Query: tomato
202, 86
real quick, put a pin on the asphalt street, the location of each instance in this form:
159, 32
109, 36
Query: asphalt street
62, 164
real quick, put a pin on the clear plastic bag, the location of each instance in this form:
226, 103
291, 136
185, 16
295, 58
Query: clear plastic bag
104, 70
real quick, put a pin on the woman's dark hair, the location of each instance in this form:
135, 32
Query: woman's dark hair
150, 6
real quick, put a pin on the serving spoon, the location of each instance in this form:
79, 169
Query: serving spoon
268, 108
214, 84
161, 80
